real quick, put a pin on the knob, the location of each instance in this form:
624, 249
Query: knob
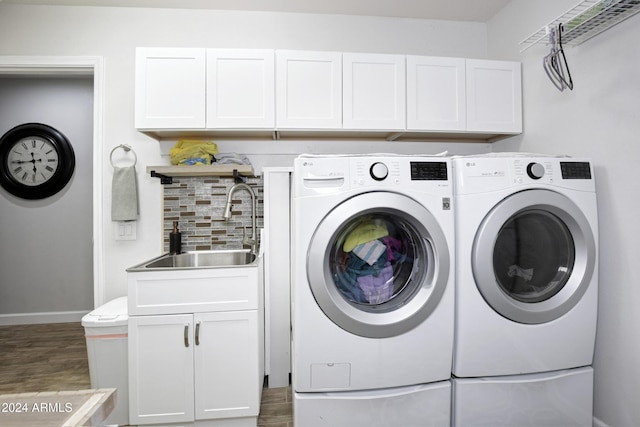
379, 171
535, 170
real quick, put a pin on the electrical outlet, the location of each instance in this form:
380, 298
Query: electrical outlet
126, 230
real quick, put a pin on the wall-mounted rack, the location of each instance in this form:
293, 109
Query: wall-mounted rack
584, 21
166, 173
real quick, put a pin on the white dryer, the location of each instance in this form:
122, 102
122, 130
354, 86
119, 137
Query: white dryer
526, 290
527, 264
372, 287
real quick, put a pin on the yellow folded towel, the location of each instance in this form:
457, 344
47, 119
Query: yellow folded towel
192, 149
363, 233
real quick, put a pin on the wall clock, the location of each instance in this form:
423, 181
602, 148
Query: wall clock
37, 161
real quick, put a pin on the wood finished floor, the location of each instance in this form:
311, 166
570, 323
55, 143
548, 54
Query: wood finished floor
53, 357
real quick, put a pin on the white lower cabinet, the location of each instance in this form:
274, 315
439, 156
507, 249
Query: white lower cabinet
190, 367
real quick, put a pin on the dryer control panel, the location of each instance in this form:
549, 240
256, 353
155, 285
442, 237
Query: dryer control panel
485, 173
575, 170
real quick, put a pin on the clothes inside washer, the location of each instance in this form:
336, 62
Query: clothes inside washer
364, 282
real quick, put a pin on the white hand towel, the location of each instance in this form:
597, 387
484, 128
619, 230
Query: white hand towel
124, 194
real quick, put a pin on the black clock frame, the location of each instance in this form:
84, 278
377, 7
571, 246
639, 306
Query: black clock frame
59, 179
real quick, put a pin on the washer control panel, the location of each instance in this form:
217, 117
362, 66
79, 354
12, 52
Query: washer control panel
379, 171
429, 171
535, 170
399, 171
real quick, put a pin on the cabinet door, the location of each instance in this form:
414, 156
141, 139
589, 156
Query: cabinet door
494, 96
308, 90
161, 369
240, 88
436, 97
374, 91
170, 88
227, 372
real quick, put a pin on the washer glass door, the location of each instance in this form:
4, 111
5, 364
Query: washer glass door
378, 264
533, 256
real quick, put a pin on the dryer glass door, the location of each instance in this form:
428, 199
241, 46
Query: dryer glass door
378, 264
533, 256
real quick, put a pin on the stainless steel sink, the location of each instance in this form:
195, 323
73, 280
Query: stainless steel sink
199, 259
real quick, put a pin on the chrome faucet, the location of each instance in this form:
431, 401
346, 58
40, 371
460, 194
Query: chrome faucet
253, 240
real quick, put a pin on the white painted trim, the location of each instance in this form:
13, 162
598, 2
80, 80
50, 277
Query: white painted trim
38, 318
64, 66
277, 275
99, 291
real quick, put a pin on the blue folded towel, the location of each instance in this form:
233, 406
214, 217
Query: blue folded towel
370, 251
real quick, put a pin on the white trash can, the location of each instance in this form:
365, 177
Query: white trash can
105, 330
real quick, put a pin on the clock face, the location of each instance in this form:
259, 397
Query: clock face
36, 161
33, 160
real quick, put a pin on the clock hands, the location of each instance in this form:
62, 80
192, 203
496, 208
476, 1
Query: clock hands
35, 160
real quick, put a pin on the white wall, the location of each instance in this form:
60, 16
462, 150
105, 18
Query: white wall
599, 119
113, 33
45, 258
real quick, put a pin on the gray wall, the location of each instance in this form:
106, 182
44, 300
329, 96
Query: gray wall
599, 119
46, 245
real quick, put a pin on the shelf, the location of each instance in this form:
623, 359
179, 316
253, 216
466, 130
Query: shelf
324, 134
585, 20
195, 170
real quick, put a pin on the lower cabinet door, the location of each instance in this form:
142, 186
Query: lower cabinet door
227, 365
161, 385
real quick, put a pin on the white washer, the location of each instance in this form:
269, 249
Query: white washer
526, 286
373, 281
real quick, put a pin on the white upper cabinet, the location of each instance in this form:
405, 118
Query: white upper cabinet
170, 88
494, 96
240, 89
308, 90
213, 92
436, 96
374, 91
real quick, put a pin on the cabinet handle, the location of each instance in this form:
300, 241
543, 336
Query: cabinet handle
186, 335
197, 333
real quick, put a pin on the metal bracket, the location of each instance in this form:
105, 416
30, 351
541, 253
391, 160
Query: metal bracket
237, 177
164, 179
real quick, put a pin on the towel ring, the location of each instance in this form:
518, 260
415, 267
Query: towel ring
126, 148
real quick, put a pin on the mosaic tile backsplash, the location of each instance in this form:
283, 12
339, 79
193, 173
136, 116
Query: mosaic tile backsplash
197, 203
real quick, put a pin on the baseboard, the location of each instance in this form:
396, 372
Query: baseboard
36, 318
599, 423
